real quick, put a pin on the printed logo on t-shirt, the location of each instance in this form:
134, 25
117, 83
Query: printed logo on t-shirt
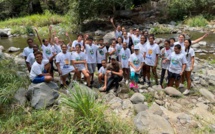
77, 58
48, 51
119, 50
174, 61
66, 63
150, 51
136, 42
101, 52
91, 51
124, 57
136, 61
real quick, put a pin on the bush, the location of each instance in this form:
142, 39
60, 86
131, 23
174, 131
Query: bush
160, 29
197, 21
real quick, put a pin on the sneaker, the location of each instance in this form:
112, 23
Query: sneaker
186, 92
131, 85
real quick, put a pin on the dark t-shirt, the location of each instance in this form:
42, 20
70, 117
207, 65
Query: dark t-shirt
115, 67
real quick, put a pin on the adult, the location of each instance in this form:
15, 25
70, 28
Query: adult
113, 76
31, 58
117, 29
136, 37
112, 50
63, 61
151, 59
28, 50
80, 41
101, 54
102, 72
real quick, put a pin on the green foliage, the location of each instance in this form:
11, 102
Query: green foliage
90, 115
160, 29
9, 81
149, 98
197, 21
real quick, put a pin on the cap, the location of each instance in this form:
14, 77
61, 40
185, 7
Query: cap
136, 47
113, 57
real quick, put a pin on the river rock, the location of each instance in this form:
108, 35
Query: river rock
155, 109
126, 104
172, 92
140, 107
13, 49
20, 96
211, 82
207, 94
1, 54
152, 123
203, 114
196, 45
99, 33
137, 98
202, 105
108, 37
115, 103
1, 48
5, 32
42, 95
19, 61
202, 43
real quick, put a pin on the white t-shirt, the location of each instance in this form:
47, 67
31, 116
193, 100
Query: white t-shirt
64, 59
110, 49
191, 54
182, 44
102, 70
79, 57
75, 42
37, 69
101, 54
91, 53
135, 39
151, 53
176, 62
129, 34
124, 56
47, 51
118, 48
118, 34
27, 51
126, 40
165, 53
31, 59
57, 48
142, 48
136, 60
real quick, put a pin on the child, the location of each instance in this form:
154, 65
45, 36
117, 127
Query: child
31, 58
112, 49
177, 66
101, 54
63, 60
136, 37
117, 29
189, 54
80, 64
39, 70
151, 59
28, 50
78, 41
172, 42
102, 72
124, 56
165, 52
119, 46
136, 62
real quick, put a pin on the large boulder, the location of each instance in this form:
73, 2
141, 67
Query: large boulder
108, 37
19, 61
152, 123
20, 96
5, 32
1, 48
207, 94
137, 98
13, 49
171, 91
140, 107
99, 33
42, 95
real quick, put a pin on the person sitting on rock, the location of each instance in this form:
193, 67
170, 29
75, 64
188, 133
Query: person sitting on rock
113, 75
63, 61
177, 66
40, 70
28, 50
102, 72
80, 64
31, 58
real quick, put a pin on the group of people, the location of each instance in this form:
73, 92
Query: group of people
130, 56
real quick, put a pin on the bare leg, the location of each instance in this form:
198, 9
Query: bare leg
87, 76
148, 73
154, 71
171, 82
187, 74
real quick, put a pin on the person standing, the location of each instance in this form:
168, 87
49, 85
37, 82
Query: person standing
28, 50
101, 54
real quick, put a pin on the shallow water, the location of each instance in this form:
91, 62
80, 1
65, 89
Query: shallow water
21, 41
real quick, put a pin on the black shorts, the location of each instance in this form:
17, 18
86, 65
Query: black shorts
174, 75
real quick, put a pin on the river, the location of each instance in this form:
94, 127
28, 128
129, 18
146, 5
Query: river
21, 41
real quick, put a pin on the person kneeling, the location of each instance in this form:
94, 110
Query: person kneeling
102, 72
114, 69
63, 61
40, 70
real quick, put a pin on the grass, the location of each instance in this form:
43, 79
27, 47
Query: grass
149, 98
24, 25
197, 21
160, 29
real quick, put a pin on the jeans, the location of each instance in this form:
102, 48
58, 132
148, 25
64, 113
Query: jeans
113, 80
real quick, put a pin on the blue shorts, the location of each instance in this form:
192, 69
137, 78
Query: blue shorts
39, 79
